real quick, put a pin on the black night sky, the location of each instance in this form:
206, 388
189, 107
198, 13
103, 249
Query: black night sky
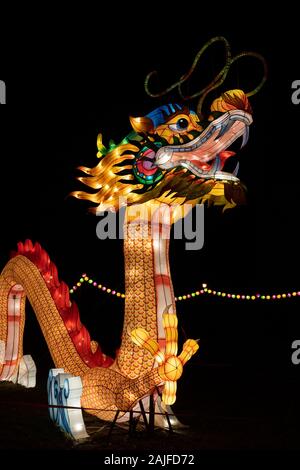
62, 98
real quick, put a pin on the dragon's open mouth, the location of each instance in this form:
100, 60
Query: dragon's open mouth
206, 155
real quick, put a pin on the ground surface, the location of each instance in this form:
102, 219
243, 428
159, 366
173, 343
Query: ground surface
228, 409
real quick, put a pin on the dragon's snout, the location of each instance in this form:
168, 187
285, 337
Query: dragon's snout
205, 155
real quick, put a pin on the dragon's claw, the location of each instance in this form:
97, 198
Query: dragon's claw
170, 366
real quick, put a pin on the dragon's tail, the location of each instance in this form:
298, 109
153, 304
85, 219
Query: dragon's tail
31, 274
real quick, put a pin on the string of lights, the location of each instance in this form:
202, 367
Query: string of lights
86, 279
205, 290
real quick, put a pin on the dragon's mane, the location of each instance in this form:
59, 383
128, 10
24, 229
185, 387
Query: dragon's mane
115, 185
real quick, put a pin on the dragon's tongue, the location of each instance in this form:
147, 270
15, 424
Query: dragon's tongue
225, 155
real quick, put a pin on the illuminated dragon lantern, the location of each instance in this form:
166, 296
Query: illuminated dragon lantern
172, 156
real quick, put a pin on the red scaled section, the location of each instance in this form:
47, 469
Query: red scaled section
68, 310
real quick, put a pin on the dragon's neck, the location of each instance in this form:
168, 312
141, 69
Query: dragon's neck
148, 283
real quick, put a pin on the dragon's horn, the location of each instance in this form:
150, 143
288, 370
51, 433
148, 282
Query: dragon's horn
141, 124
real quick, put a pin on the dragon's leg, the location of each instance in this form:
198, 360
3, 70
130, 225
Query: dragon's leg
106, 391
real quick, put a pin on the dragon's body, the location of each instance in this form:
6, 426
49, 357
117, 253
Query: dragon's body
170, 157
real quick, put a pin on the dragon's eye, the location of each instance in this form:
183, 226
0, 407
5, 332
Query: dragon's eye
181, 125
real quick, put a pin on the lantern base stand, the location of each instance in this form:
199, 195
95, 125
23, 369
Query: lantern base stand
149, 417
64, 395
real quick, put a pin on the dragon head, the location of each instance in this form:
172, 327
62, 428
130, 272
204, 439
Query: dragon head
172, 156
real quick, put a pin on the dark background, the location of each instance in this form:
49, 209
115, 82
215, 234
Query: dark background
60, 97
